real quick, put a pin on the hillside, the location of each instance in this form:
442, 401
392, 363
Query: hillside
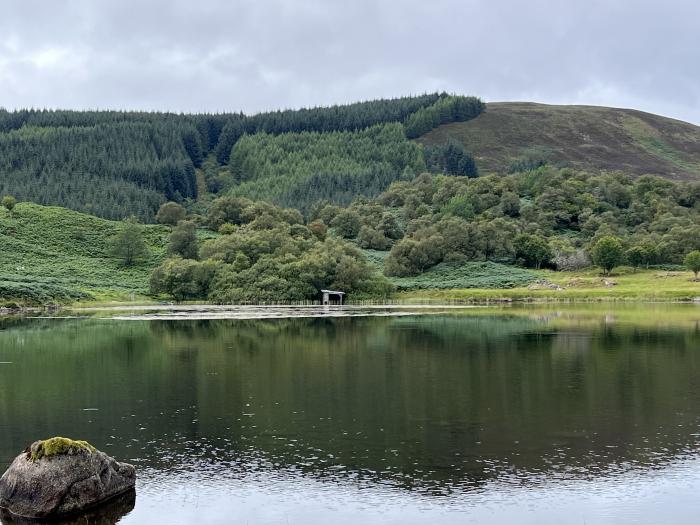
300, 169
51, 253
432, 232
115, 164
584, 137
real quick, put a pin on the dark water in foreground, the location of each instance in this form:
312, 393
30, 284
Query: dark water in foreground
584, 416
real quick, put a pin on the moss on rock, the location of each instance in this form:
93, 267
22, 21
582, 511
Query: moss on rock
58, 446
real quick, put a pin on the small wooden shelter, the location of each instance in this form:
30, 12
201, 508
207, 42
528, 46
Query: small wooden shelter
328, 294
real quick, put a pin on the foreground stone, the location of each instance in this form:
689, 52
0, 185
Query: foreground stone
59, 476
109, 513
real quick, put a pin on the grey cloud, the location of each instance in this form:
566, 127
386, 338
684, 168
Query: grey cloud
217, 55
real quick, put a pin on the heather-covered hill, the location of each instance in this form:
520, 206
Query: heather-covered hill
510, 135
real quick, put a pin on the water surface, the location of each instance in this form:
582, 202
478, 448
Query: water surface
537, 415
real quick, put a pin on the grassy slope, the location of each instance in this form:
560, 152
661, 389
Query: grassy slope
581, 136
644, 285
488, 281
471, 274
69, 250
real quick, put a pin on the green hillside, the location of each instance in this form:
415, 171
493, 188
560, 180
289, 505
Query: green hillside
299, 169
116, 164
50, 253
584, 137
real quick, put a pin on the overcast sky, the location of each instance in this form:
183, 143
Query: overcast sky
253, 55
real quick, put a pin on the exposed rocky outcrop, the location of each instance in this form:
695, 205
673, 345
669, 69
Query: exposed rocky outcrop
59, 477
544, 284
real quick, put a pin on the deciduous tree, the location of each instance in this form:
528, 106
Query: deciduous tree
533, 250
692, 262
607, 253
8, 201
128, 244
183, 240
170, 213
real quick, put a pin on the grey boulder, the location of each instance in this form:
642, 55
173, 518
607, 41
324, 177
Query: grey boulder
66, 480
109, 513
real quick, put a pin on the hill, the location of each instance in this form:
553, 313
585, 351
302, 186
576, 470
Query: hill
115, 164
432, 232
53, 254
584, 137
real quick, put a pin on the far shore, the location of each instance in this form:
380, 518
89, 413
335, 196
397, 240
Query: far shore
583, 287
569, 313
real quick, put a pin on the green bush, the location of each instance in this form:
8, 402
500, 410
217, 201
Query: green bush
170, 213
369, 238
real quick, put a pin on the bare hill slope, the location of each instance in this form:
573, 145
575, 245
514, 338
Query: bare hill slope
587, 137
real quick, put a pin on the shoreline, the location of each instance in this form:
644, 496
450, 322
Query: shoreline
570, 314
625, 286
449, 299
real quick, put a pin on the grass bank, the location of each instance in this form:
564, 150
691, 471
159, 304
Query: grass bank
55, 255
588, 286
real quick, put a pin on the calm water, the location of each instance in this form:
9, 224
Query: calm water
487, 416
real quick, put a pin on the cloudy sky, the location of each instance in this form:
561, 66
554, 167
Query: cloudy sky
252, 55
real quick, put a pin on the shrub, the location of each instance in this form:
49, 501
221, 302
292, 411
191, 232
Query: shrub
227, 228
183, 278
226, 210
183, 240
526, 163
635, 256
8, 201
390, 227
510, 204
372, 239
170, 213
411, 256
692, 262
347, 224
318, 228
460, 206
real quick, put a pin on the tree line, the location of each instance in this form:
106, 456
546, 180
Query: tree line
350, 117
547, 217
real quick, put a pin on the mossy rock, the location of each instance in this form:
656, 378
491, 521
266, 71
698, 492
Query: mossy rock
59, 477
58, 446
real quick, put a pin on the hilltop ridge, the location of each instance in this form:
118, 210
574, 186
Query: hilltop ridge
583, 137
